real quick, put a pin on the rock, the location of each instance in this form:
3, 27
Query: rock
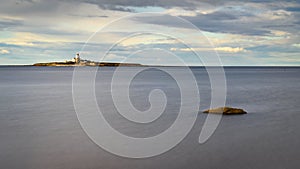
226, 111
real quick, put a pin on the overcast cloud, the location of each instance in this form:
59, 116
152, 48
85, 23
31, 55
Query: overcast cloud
258, 28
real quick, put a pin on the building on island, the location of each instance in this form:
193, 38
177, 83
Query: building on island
77, 58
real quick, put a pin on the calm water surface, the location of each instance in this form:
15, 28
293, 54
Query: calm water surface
39, 127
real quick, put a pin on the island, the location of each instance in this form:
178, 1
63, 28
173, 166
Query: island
77, 61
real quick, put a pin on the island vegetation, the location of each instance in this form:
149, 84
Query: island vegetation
77, 61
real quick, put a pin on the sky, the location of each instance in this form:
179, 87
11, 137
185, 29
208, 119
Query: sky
159, 32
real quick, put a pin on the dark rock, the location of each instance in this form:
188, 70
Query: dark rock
226, 111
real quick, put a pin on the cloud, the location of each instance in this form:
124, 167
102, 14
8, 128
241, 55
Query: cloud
128, 5
9, 23
220, 49
218, 21
230, 49
25, 39
297, 45
255, 18
90, 16
4, 51
147, 39
113, 57
64, 18
231, 16
36, 29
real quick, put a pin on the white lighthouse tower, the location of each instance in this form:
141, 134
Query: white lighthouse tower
77, 58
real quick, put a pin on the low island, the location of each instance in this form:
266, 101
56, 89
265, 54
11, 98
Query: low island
77, 61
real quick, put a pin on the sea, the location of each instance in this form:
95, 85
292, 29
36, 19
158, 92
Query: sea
39, 127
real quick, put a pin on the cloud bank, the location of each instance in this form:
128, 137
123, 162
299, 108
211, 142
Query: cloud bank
259, 32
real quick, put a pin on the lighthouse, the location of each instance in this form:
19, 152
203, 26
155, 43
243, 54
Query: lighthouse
77, 58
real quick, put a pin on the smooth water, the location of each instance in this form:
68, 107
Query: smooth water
39, 126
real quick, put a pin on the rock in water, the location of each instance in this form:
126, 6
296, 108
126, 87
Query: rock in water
226, 111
